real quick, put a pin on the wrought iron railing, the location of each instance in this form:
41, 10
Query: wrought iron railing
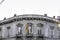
34, 38
29, 37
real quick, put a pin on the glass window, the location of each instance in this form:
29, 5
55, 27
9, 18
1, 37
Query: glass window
8, 29
52, 31
29, 27
19, 26
39, 32
40, 26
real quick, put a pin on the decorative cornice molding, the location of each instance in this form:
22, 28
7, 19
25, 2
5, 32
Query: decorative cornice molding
28, 17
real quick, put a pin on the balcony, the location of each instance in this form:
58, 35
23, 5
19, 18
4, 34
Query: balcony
29, 35
39, 35
19, 35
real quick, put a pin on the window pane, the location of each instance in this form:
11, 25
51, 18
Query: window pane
19, 27
29, 27
39, 32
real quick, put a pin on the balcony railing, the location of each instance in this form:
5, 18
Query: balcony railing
39, 35
29, 35
19, 35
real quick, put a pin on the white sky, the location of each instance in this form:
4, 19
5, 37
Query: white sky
10, 7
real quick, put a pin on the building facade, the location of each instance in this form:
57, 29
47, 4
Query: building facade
58, 19
28, 27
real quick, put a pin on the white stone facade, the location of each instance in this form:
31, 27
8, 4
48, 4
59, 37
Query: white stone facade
11, 27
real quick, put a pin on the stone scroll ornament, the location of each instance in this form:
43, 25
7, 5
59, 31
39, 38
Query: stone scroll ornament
1, 1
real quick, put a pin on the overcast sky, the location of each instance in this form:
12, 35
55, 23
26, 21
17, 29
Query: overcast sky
10, 7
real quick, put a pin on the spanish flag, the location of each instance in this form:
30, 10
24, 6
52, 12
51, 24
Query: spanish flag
27, 30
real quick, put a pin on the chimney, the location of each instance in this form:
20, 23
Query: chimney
4, 18
14, 15
53, 16
45, 14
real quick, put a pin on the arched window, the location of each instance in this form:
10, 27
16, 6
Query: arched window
39, 32
29, 27
8, 28
52, 27
40, 26
52, 31
19, 26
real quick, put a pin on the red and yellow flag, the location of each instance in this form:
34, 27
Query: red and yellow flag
27, 30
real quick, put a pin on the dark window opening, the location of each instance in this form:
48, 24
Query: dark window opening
19, 26
0, 29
